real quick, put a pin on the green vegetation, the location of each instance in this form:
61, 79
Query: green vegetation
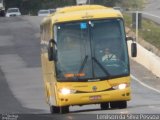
32, 6
130, 4
128, 20
150, 31
133, 4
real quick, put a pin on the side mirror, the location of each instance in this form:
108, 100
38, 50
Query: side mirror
134, 49
133, 46
52, 53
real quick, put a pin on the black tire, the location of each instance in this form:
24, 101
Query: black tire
118, 104
54, 109
104, 106
2, 14
123, 104
64, 109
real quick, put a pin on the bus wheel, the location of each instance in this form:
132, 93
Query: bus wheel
104, 106
2, 14
54, 109
118, 104
64, 109
123, 104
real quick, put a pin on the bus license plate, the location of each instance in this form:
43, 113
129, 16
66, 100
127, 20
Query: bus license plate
97, 97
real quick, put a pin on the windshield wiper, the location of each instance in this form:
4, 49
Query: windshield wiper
83, 64
101, 66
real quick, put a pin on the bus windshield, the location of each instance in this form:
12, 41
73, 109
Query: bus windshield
91, 50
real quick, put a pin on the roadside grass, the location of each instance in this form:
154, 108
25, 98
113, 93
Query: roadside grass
150, 30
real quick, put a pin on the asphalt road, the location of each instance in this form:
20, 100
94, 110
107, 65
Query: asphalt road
21, 84
152, 10
153, 6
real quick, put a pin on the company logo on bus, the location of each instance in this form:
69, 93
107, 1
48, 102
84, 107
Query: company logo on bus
94, 88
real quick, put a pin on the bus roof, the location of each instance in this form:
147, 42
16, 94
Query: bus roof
83, 12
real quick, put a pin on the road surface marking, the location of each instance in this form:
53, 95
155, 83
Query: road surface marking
145, 85
150, 14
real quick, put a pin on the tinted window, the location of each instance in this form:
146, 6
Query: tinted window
81, 47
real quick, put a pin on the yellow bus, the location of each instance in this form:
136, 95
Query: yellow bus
75, 72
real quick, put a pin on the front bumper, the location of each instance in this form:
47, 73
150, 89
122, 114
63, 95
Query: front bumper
94, 98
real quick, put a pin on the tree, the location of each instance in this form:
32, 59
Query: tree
32, 6
110, 3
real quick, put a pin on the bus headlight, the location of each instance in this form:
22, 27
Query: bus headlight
121, 86
66, 91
